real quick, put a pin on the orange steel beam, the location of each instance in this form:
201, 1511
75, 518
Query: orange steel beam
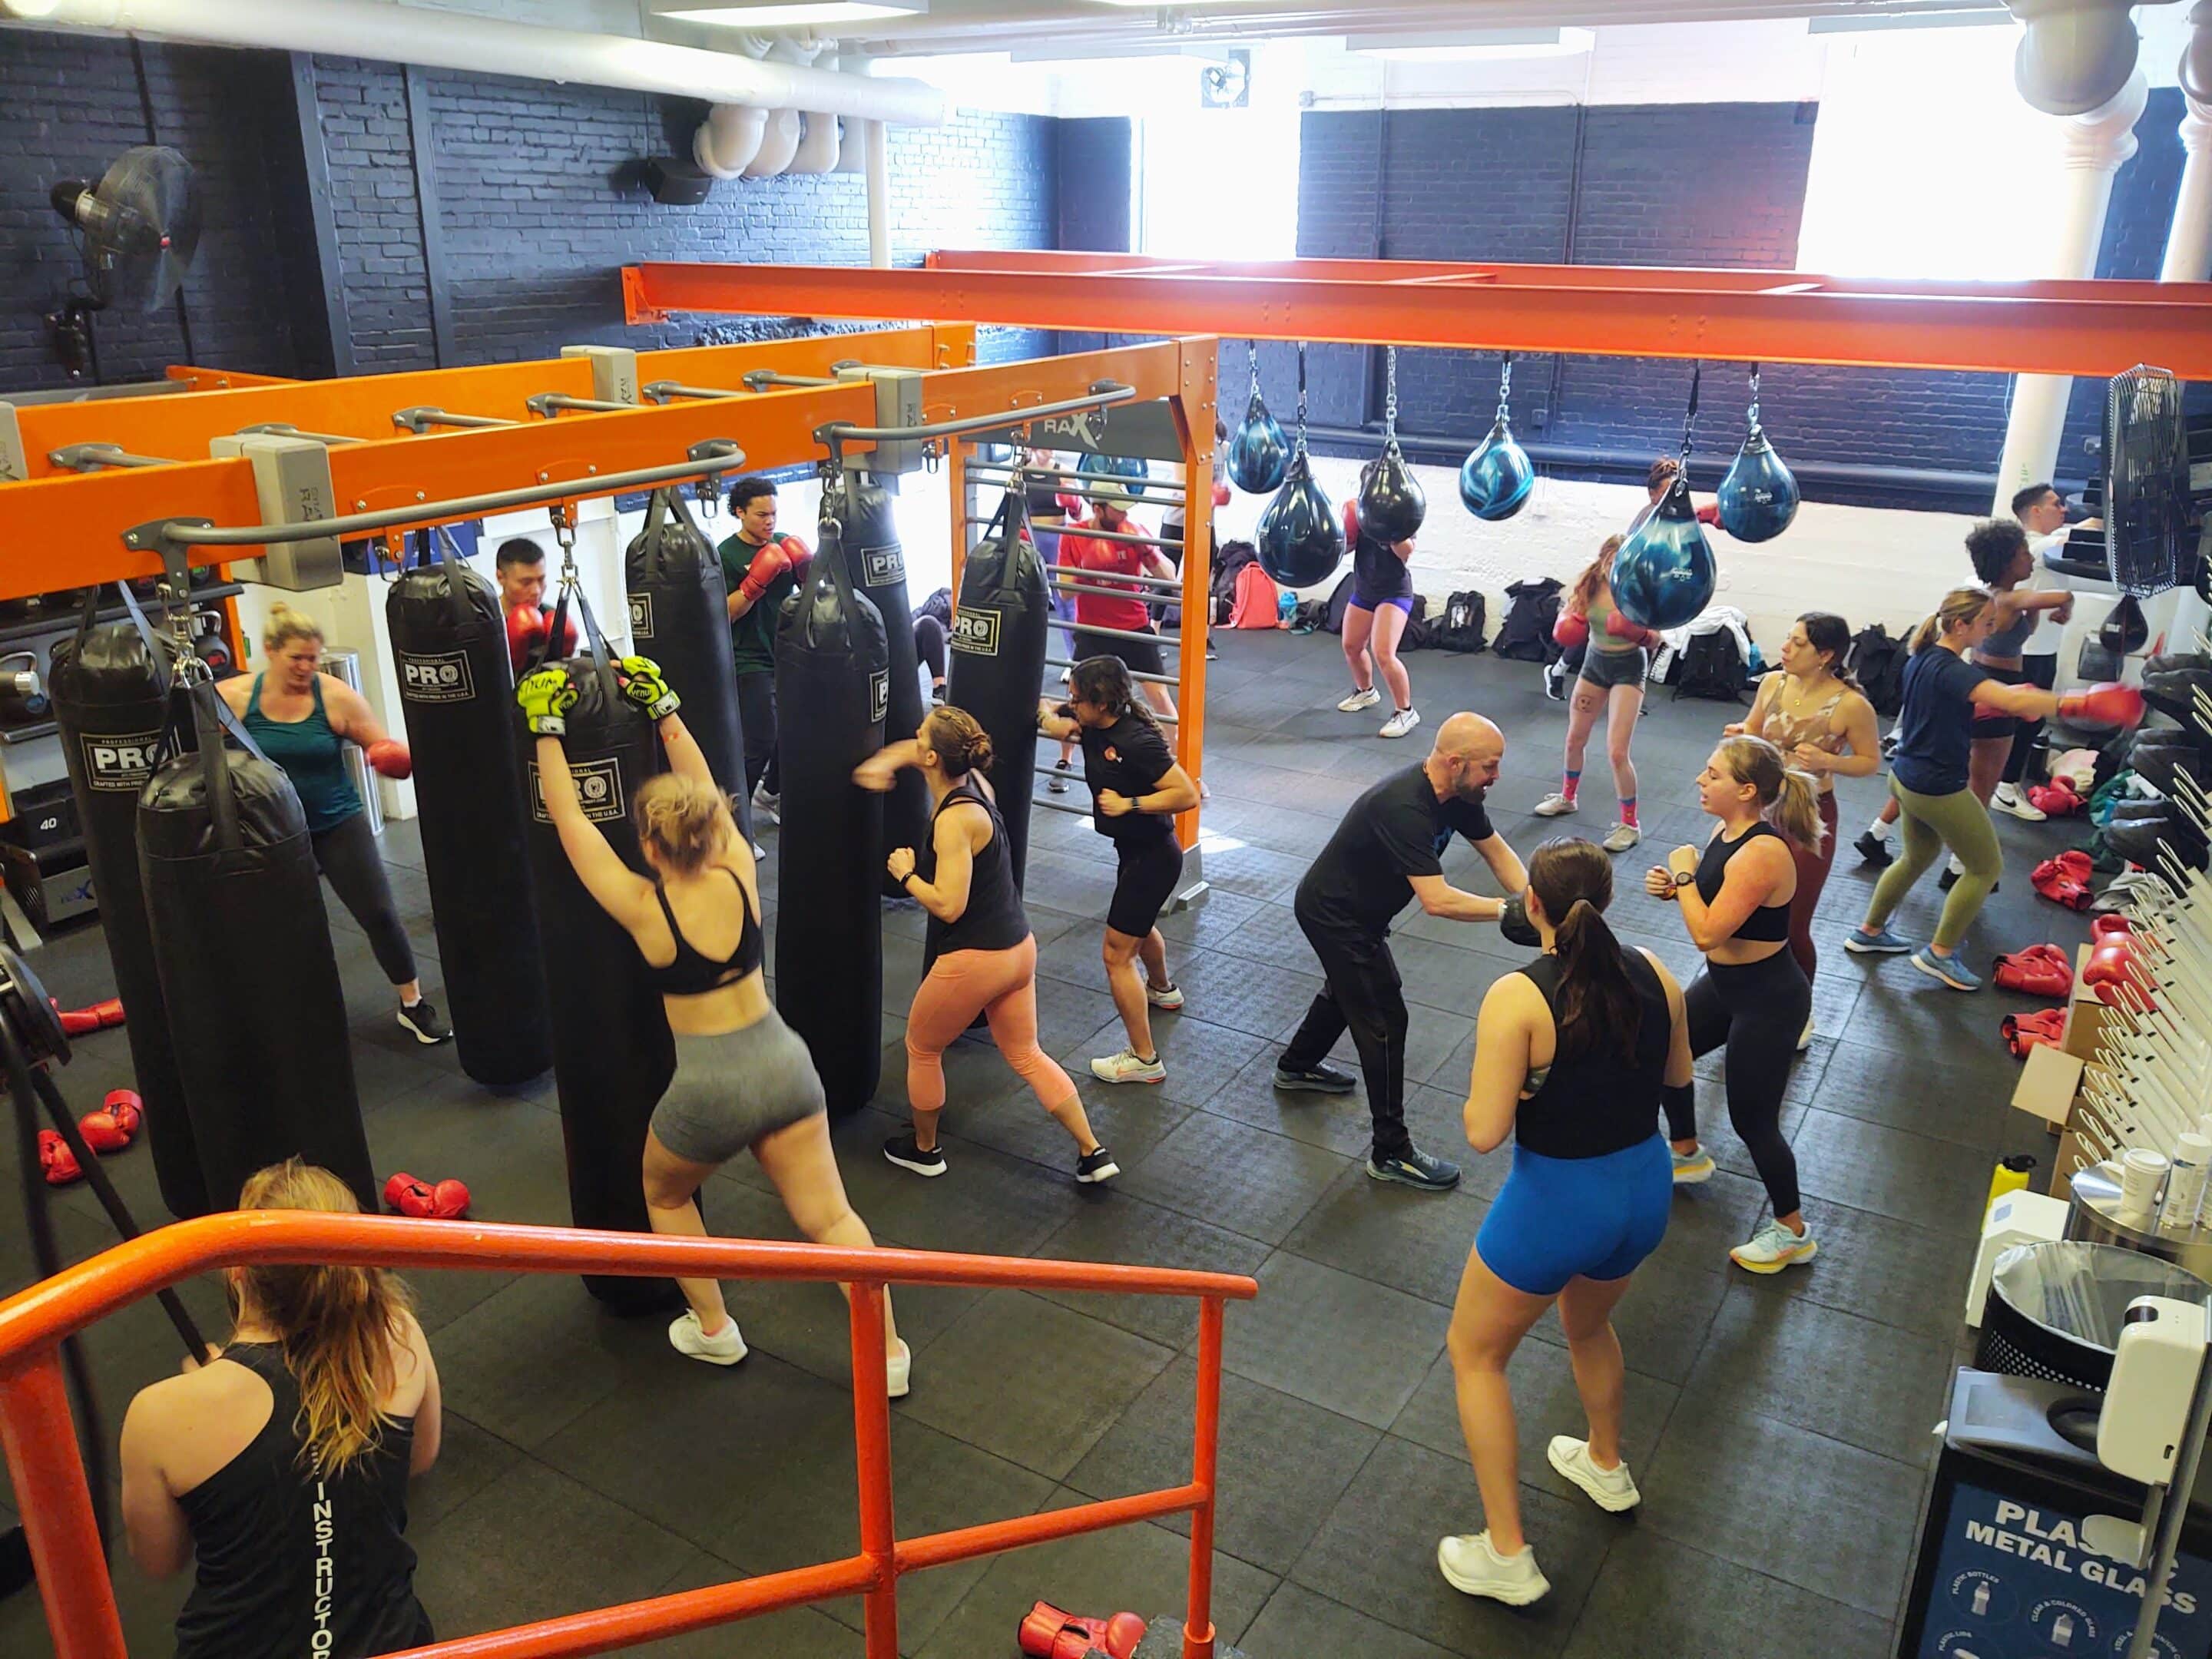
178, 427
198, 377
2084, 328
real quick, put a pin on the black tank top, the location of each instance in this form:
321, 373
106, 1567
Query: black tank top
1041, 497
1377, 572
995, 918
693, 974
1767, 925
291, 1563
1595, 1102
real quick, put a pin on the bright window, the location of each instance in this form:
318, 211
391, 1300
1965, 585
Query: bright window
1223, 184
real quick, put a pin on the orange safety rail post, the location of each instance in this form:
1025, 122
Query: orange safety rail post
1194, 407
40, 1438
2099, 328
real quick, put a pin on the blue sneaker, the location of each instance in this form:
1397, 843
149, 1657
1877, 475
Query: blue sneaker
1887, 943
1415, 1168
1950, 969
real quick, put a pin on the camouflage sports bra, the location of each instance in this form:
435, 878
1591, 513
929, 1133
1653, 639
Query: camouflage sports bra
1786, 731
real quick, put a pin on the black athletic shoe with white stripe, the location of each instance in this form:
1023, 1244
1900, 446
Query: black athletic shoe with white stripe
1096, 1166
902, 1151
428, 1024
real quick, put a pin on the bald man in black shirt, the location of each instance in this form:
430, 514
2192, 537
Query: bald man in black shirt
1387, 851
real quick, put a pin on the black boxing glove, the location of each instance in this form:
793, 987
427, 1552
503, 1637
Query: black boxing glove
1514, 923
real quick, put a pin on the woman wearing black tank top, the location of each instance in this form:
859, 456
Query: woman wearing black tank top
280, 1466
743, 1080
1572, 1057
982, 954
1753, 998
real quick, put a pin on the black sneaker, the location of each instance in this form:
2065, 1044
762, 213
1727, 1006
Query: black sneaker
902, 1151
1096, 1166
1415, 1167
1057, 783
1949, 879
1316, 1080
1873, 850
428, 1024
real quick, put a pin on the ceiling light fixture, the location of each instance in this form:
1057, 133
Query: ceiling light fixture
1474, 45
800, 14
1952, 17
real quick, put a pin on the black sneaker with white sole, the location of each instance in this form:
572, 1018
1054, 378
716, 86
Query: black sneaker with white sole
902, 1151
1096, 1166
1873, 850
1322, 1079
428, 1024
1415, 1167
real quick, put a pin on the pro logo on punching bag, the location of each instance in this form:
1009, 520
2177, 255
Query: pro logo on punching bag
599, 787
125, 761
441, 676
880, 695
641, 616
879, 565
975, 631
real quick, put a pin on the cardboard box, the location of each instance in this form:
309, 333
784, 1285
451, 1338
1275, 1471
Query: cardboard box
2085, 1014
2050, 1087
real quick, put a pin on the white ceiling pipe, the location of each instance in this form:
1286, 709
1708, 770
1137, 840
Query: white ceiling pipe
779, 138
459, 40
728, 139
817, 150
2076, 54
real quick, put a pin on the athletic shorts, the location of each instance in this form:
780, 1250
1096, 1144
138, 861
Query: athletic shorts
1150, 867
1143, 656
1607, 669
1989, 724
1359, 601
734, 1087
1559, 1219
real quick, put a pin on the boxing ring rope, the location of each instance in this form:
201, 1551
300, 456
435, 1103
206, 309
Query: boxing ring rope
39, 1437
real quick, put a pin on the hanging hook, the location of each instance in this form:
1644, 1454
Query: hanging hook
1302, 397
563, 515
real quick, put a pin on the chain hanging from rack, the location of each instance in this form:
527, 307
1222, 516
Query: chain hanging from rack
1505, 387
1690, 415
1300, 448
1389, 394
1751, 416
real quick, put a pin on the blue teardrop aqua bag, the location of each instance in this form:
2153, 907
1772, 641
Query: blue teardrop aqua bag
1663, 576
1495, 480
1259, 455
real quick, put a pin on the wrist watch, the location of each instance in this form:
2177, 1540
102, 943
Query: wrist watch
1684, 878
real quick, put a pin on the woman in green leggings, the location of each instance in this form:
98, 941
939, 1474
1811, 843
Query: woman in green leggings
1935, 739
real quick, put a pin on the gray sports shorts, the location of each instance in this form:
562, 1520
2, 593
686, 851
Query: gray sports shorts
1607, 669
734, 1087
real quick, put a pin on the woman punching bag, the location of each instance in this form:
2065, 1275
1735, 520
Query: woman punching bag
243, 950
867, 515
110, 685
998, 650
832, 682
679, 616
449, 644
612, 1054
1664, 574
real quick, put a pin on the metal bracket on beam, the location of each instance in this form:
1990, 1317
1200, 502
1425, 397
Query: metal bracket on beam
282, 429
661, 392
93, 458
420, 418
546, 405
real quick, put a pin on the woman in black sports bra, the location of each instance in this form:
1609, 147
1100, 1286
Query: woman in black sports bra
1752, 997
982, 956
743, 1080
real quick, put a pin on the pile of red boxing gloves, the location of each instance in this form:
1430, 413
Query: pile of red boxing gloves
110, 1129
2064, 880
83, 1022
2025, 1031
2040, 970
1049, 1633
2056, 799
2115, 969
442, 1200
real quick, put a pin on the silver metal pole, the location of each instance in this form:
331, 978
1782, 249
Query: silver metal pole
1102, 395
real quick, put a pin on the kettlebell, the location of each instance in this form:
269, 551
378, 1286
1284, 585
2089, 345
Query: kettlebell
23, 690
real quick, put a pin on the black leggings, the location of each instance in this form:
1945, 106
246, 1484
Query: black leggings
1365, 994
757, 712
346, 854
929, 647
1757, 1010
2042, 673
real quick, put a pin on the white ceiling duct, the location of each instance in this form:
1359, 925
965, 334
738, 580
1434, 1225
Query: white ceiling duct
459, 40
2194, 73
780, 134
2076, 54
728, 139
817, 150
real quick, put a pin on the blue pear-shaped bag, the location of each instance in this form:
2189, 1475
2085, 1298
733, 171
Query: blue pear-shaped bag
1495, 479
1663, 576
1131, 468
1300, 541
1392, 504
1259, 453
1758, 494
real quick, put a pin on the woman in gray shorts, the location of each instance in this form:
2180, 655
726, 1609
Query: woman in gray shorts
1612, 681
743, 1080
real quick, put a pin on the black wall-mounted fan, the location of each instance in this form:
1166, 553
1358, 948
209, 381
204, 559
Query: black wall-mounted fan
2147, 509
141, 224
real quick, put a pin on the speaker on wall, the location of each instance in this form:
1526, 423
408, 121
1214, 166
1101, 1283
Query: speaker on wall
676, 183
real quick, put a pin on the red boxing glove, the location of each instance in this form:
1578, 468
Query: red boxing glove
102, 1133
525, 627
1618, 627
395, 1188
2112, 965
1572, 629
391, 759
1048, 1632
110, 1012
2040, 970
56, 1159
77, 1021
1220, 493
125, 1108
770, 563
1351, 520
2104, 705
2110, 926
1710, 514
449, 1200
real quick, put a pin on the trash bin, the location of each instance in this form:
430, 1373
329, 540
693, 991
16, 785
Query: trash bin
2056, 1309
346, 666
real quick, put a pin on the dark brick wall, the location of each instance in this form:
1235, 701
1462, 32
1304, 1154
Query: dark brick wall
72, 105
1095, 163
369, 155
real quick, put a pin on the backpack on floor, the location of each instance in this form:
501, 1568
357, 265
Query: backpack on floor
1877, 663
1229, 563
1339, 597
1713, 666
1258, 603
1525, 636
1458, 625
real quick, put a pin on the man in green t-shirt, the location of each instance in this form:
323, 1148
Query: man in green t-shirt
759, 567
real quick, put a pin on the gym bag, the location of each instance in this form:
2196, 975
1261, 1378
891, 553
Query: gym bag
1713, 666
1458, 626
1877, 663
1525, 636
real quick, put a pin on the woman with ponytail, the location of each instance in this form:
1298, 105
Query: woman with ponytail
1574, 1056
281, 1465
1735, 898
981, 955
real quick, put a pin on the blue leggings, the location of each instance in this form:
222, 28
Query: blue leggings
1559, 1218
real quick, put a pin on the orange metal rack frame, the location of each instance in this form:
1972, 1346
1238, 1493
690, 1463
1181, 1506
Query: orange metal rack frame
39, 1437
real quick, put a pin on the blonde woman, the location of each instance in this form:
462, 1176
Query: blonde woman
743, 1080
303, 719
280, 1467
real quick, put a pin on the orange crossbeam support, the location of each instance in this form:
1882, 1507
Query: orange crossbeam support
2097, 328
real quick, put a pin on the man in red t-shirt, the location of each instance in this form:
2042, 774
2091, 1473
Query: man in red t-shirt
1097, 560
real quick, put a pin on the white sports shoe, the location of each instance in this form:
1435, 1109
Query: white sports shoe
725, 1347
1613, 1489
898, 1373
2009, 798
1402, 722
1360, 700
1127, 1067
1774, 1248
1555, 806
1471, 1566
769, 806
1621, 837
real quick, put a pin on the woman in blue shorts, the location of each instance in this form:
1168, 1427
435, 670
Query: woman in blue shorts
1374, 619
1573, 1057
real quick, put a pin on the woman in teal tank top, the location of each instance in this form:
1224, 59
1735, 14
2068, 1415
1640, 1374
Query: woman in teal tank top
303, 718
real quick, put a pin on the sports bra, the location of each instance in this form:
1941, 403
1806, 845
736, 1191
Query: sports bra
2005, 645
1767, 925
1595, 1104
1786, 732
692, 974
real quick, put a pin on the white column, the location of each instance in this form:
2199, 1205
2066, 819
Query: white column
879, 166
2093, 149
2188, 244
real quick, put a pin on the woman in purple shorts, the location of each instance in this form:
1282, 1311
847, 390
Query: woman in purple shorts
1374, 619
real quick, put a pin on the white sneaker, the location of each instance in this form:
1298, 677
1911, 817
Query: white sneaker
725, 1347
1621, 837
1956, 868
1805, 1036
1166, 997
769, 806
2008, 798
1473, 1566
898, 1374
1125, 1067
1402, 722
1556, 805
1613, 1489
1774, 1248
1360, 700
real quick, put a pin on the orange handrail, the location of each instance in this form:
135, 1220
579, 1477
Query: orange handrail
40, 1438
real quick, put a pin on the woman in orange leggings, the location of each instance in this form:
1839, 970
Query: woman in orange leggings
982, 954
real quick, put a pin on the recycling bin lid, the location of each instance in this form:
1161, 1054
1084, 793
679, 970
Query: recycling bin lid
2081, 1290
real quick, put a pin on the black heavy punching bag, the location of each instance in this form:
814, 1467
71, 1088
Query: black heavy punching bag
831, 685
110, 693
679, 616
867, 515
998, 661
449, 642
243, 947
612, 1055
